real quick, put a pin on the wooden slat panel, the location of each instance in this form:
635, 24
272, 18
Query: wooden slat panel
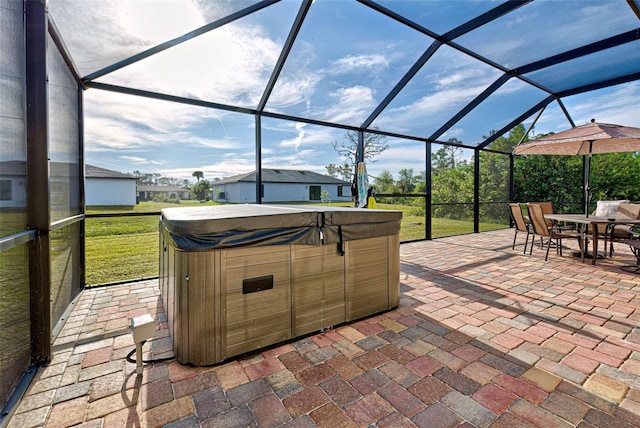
364, 244
168, 299
280, 271
259, 319
202, 307
318, 288
363, 290
316, 260
334, 315
320, 297
249, 257
251, 345
181, 308
367, 277
367, 274
365, 307
246, 334
318, 266
304, 251
315, 283
322, 317
394, 270
260, 304
245, 329
373, 257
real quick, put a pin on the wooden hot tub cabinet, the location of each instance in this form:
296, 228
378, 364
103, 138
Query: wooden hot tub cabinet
237, 278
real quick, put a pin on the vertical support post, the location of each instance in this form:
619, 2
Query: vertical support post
359, 158
428, 199
512, 185
476, 191
83, 204
258, 159
38, 206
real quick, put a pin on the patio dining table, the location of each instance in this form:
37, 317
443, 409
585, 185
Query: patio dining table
583, 222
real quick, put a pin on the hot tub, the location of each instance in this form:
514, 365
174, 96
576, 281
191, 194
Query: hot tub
237, 278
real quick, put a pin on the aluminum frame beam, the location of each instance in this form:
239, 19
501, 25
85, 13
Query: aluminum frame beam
284, 53
516, 121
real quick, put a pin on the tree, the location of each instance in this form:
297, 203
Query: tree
406, 182
374, 145
198, 175
145, 178
451, 182
615, 176
494, 175
446, 157
170, 181
384, 182
421, 182
343, 171
453, 186
200, 190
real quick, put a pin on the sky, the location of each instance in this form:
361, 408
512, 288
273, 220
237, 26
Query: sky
344, 62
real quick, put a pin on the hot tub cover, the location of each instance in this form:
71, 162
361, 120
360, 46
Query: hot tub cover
228, 226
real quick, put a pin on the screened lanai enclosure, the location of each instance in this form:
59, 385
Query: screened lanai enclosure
232, 87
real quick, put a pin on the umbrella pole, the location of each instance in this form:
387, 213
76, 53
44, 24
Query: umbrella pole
586, 169
586, 182
586, 166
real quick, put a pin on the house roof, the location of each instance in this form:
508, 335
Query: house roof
91, 171
149, 188
16, 168
283, 176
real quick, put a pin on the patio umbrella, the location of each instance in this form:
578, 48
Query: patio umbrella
589, 139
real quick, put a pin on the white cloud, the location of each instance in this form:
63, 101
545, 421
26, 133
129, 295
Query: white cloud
353, 104
230, 65
618, 105
114, 121
292, 160
452, 133
296, 141
109, 31
169, 19
292, 90
358, 63
434, 109
139, 160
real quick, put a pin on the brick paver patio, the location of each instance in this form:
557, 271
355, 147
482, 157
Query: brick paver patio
484, 337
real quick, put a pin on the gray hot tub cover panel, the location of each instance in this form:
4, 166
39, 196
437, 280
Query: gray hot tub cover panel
229, 226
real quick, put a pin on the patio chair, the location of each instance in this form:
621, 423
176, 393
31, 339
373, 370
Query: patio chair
521, 225
611, 209
633, 240
550, 233
620, 232
547, 208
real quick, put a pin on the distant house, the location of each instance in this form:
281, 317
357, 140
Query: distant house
64, 192
281, 185
104, 187
147, 193
13, 184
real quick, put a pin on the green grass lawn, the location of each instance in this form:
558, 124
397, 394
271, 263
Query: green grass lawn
126, 248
